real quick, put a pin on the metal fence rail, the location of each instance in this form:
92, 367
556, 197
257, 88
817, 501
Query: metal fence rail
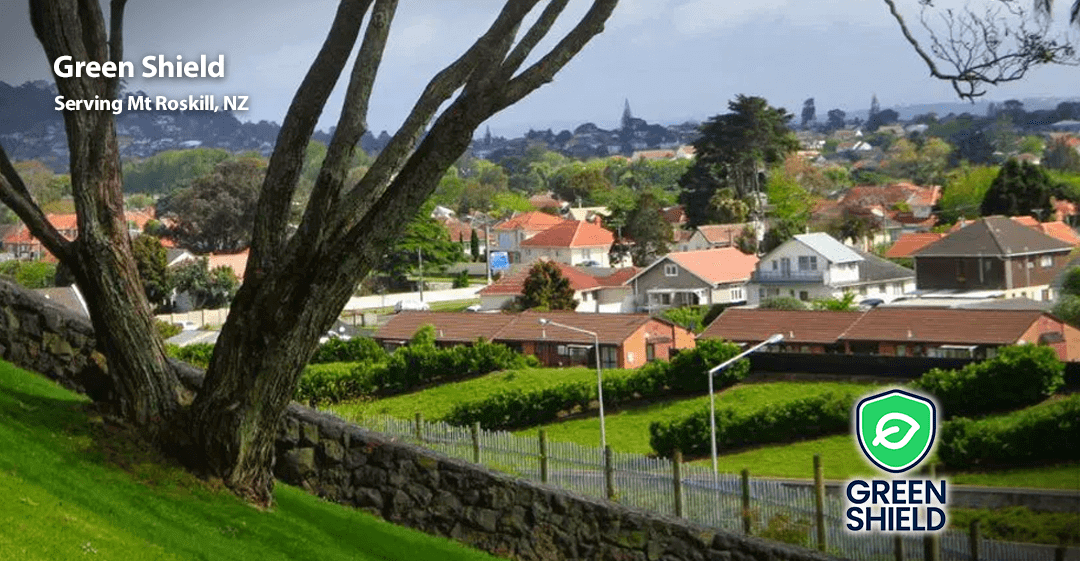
767, 508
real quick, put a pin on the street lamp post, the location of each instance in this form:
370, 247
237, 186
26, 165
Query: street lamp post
712, 397
599, 375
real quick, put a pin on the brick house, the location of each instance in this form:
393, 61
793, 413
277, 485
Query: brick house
993, 254
626, 340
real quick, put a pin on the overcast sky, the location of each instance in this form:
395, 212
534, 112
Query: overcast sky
673, 59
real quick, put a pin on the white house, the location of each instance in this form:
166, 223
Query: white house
510, 233
816, 266
571, 242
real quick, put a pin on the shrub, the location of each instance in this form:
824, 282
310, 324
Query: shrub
195, 354
688, 369
357, 349
1019, 375
165, 329
1033, 436
809, 417
335, 381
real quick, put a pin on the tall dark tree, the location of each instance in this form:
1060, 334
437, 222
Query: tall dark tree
546, 288
297, 280
152, 263
1018, 189
733, 151
423, 238
646, 227
836, 119
808, 113
216, 212
474, 245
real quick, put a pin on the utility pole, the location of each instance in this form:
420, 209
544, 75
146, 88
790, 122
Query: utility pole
487, 248
420, 258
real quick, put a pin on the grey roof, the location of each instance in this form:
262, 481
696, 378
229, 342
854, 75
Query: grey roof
993, 236
66, 296
828, 247
1022, 303
876, 269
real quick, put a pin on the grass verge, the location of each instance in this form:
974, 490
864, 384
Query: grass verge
73, 485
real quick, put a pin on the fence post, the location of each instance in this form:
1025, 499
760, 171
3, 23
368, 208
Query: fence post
609, 473
932, 543
898, 547
676, 471
418, 427
746, 500
975, 535
543, 457
476, 442
819, 501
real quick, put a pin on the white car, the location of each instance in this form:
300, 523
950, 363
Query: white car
411, 306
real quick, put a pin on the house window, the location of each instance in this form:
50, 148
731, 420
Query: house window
1030, 264
671, 270
586, 254
774, 265
562, 350
901, 350
1046, 261
808, 262
804, 295
650, 352
609, 356
737, 295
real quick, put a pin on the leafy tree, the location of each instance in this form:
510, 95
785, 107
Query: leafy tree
1071, 284
964, 190
1062, 156
545, 288
216, 213
167, 171
207, 288
922, 165
152, 262
474, 245
423, 237
1068, 309
732, 151
645, 225
808, 112
881, 118
30, 274
1018, 188
581, 182
298, 278
791, 206
836, 119
782, 303
846, 303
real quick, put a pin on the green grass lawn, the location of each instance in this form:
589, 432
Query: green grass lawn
437, 401
73, 486
628, 429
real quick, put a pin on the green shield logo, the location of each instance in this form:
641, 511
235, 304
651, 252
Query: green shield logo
896, 429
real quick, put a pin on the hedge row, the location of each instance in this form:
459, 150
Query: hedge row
195, 354
1037, 435
1018, 376
809, 417
685, 372
357, 349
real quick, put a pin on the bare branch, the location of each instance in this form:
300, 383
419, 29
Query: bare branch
535, 34
283, 171
353, 120
116, 41
14, 194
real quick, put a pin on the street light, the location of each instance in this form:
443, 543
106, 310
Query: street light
712, 397
599, 375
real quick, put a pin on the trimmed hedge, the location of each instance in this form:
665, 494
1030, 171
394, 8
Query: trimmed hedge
195, 354
684, 373
1038, 435
357, 349
809, 417
1018, 376
330, 382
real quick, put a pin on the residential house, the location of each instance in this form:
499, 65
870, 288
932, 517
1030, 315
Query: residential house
235, 261
899, 331
594, 214
692, 278
817, 266
572, 242
605, 292
675, 216
626, 340
547, 201
713, 236
907, 244
23, 245
892, 210
995, 256
1055, 228
510, 233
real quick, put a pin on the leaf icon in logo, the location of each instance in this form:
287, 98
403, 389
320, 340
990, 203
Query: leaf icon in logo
881, 439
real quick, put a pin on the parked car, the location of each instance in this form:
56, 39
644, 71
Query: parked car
411, 306
473, 308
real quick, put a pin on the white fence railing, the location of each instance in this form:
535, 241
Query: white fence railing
768, 508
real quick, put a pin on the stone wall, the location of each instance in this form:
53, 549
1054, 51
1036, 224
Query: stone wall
403, 483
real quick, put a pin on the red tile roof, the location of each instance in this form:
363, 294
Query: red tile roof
716, 266
235, 261
534, 221
514, 283
907, 244
674, 214
572, 233
753, 325
453, 327
721, 233
942, 325
1061, 231
619, 277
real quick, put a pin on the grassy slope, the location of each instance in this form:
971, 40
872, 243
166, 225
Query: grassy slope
72, 486
437, 401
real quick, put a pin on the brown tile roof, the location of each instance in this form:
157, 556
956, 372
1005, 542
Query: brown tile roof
534, 221
653, 155
907, 244
1056, 229
619, 277
993, 235
674, 214
721, 233
715, 266
754, 325
890, 195
544, 200
514, 283
571, 233
942, 325
455, 327
463, 327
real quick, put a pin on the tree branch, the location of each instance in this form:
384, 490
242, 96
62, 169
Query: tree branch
353, 120
283, 172
14, 194
532, 37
